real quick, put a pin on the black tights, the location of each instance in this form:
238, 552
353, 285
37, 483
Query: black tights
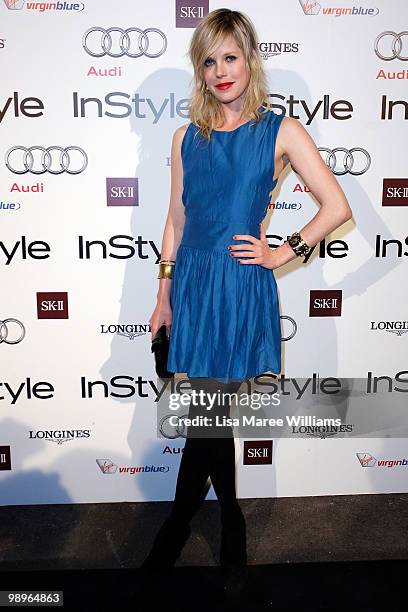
206, 457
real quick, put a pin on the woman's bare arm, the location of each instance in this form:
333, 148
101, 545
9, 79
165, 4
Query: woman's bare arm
294, 142
174, 225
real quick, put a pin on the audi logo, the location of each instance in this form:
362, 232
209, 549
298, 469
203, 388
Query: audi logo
54, 160
294, 328
348, 160
144, 39
6, 328
396, 46
169, 431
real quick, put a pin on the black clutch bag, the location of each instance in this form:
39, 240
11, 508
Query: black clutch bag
160, 348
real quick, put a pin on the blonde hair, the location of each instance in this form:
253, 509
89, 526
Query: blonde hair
204, 109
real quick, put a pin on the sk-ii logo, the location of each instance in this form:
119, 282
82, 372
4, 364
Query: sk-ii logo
122, 191
5, 458
52, 305
325, 303
258, 452
189, 12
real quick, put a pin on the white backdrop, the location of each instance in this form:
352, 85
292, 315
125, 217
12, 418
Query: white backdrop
59, 443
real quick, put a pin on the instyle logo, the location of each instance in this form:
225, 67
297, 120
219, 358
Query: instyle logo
310, 7
366, 460
2, 43
271, 49
122, 191
395, 192
388, 107
190, 13
257, 452
141, 106
132, 42
5, 458
52, 305
324, 108
325, 303
28, 107
44, 6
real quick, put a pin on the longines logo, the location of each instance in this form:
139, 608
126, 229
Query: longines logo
257, 452
52, 305
271, 49
189, 12
130, 331
5, 458
325, 303
395, 192
122, 191
322, 431
394, 327
59, 436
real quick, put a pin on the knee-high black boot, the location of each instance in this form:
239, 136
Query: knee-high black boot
233, 550
191, 490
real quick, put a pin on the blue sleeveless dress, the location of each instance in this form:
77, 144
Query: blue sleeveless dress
226, 322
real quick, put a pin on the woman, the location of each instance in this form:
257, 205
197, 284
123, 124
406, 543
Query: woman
217, 288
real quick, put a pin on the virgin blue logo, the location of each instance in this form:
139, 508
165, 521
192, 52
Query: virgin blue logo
44, 6
285, 205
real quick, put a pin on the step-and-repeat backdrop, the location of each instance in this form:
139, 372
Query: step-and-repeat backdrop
90, 95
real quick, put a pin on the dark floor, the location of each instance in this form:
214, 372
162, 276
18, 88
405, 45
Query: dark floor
306, 553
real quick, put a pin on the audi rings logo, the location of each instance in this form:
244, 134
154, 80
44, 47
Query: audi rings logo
12, 331
395, 48
294, 328
132, 42
170, 431
348, 160
54, 160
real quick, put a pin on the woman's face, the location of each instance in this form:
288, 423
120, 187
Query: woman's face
225, 71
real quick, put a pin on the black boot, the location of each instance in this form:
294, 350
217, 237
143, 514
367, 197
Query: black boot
167, 545
191, 490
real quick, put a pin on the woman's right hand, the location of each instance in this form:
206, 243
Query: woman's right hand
162, 315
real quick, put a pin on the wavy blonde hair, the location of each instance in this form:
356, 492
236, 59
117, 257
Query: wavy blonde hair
204, 109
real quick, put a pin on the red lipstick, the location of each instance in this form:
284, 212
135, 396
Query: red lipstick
224, 85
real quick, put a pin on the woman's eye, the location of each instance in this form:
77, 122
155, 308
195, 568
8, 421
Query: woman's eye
229, 58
